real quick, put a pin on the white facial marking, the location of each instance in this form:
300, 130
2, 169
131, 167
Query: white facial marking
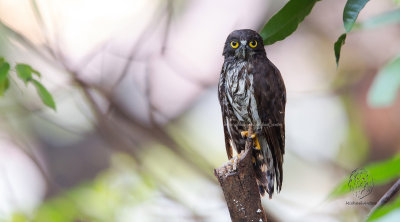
243, 42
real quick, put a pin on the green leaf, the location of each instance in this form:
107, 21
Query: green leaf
386, 84
4, 86
36, 72
46, 97
386, 171
4, 68
388, 18
389, 210
338, 47
351, 11
285, 22
381, 173
4, 81
350, 14
24, 72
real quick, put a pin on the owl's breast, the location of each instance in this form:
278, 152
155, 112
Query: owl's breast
240, 92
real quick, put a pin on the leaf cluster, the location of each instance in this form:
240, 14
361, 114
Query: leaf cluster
29, 76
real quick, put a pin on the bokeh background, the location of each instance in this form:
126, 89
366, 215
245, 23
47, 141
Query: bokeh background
138, 131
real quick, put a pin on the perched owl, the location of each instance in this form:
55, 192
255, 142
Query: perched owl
251, 91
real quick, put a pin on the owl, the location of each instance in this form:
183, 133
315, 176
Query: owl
251, 91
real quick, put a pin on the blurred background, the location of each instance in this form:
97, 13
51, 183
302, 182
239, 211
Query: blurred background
138, 131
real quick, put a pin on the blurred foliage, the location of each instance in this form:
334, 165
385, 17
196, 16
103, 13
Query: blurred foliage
97, 200
25, 73
381, 172
4, 81
387, 18
386, 85
355, 151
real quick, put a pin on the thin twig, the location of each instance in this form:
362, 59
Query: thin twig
44, 29
169, 10
386, 197
153, 25
27, 43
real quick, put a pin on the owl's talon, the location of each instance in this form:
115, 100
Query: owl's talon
234, 166
257, 143
246, 134
231, 165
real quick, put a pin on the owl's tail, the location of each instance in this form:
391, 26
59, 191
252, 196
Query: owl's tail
264, 168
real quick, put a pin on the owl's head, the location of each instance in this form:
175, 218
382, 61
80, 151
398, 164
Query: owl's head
243, 43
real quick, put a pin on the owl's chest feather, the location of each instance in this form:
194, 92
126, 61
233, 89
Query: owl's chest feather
239, 91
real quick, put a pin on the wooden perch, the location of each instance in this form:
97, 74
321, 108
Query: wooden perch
386, 197
238, 182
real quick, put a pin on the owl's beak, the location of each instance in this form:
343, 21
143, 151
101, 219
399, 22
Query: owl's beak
241, 52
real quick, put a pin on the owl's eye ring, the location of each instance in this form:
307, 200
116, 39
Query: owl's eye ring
234, 44
253, 44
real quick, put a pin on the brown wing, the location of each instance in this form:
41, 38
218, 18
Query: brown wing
223, 103
270, 94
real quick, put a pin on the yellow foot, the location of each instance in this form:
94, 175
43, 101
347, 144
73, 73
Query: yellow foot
246, 134
253, 136
258, 147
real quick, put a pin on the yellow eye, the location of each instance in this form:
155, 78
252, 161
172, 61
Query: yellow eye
234, 44
253, 44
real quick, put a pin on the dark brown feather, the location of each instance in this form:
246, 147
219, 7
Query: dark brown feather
270, 94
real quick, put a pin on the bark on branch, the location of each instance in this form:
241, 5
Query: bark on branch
238, 183
386, 197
